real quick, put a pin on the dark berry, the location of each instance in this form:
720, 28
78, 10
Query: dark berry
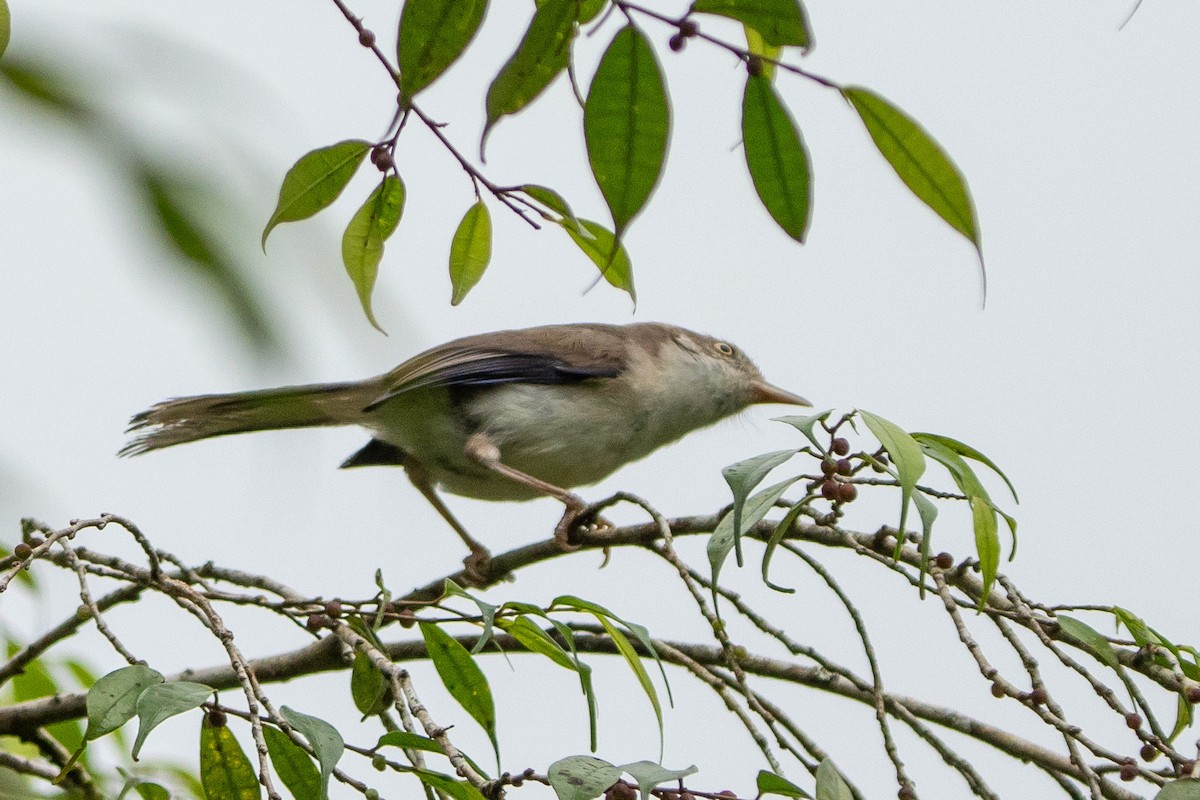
22, 550
676, 42
1193, 694
1149, 752
944, 560
997, 690
828, 467
906, 793
688, 27
1133, 721
840, 446
334, 608
829, 490
366, 38
1128, 771
754, 65
844, 467
1038, 696
315, 622
216, 718
847, 492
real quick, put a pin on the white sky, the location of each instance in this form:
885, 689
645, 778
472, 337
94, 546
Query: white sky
1079, 378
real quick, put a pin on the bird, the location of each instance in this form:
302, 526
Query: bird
503, 416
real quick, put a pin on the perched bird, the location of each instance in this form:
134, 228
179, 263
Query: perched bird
509, 415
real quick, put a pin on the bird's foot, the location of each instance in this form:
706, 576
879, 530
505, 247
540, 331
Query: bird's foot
477, 567
579, 517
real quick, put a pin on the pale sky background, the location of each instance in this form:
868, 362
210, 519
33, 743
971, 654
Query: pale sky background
1077, 139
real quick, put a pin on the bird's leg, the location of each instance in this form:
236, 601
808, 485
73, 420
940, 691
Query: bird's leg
475, 565
485, 452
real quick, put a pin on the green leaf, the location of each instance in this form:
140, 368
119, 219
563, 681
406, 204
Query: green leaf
919, 161
486, 610
830, 783
51, 91
369, 228
462, 678
581, 777
225, 771
433, 34
758, 46
536, 640
928, 513
806, 424
470, 251
781, 22
966, 451
770, 783
1091, 639
409, 741
649, 775
906, 455
322, 737
112, 701
598, 243
459, 790
987, 544
315, 181
293, 765
743, 477
5, 25
626, 124
785, 524
1182, 789
542, 54
161, 701
555, 202
148, 790
776, 157
368, 686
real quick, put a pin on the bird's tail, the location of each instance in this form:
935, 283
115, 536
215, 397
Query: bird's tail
188, 419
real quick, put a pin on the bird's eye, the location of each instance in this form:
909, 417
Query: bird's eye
724, 348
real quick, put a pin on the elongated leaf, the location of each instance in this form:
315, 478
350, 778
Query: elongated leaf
626, 123
905, 454
785, 524
806, 424
581, 777
459, 790
161, 701
542, 54
1090, 637
553, 201
649, 775
598, 244
368, 687
5, 26
294, 766
776, 157
780, 22
433, 34
634, 661
322, 737
112, 701
470, 251
758, 46
225, 771
928, 513
362, 243
830, 783
987, 544
315, 181
148, 790
966, 451
462, 678
409, 741
966, 479
536, 640
743, 478
919, 161
770, 783
487, 612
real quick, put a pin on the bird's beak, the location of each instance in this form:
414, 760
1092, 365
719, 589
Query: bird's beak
763, 392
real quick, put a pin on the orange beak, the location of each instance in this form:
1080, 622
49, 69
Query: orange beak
764, 392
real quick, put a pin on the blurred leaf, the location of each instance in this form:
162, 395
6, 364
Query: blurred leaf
322, 737
36, 681
581, 777
598, 243
830, 783
553, 201
463, 678
542, 54
409, 741
294, 766
987, 544
368, 687
770, 783
1182, 789
919, 161
149, 790
315, 181
906, 455
5, 26
362, 243
51, 91
649, 775
433, 34
470, 251
1090, 638
626, 124
159, 702
776, 157
112, 700
758, 46
781, 22
225, 771
181, 220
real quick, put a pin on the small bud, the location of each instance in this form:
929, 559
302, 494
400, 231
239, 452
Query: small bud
844, 467
334, 609
371, 794
829, 490
22, 550
847, 492
1149, 752
754, 65
906, 793
1129, 771
1038, 696
840, 446
828, 468
688, 27
82, 612
1133, 721
379, 762
366, 38
944, 560
315, 622
676, 42
216, 718
997, 690
1193, 694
